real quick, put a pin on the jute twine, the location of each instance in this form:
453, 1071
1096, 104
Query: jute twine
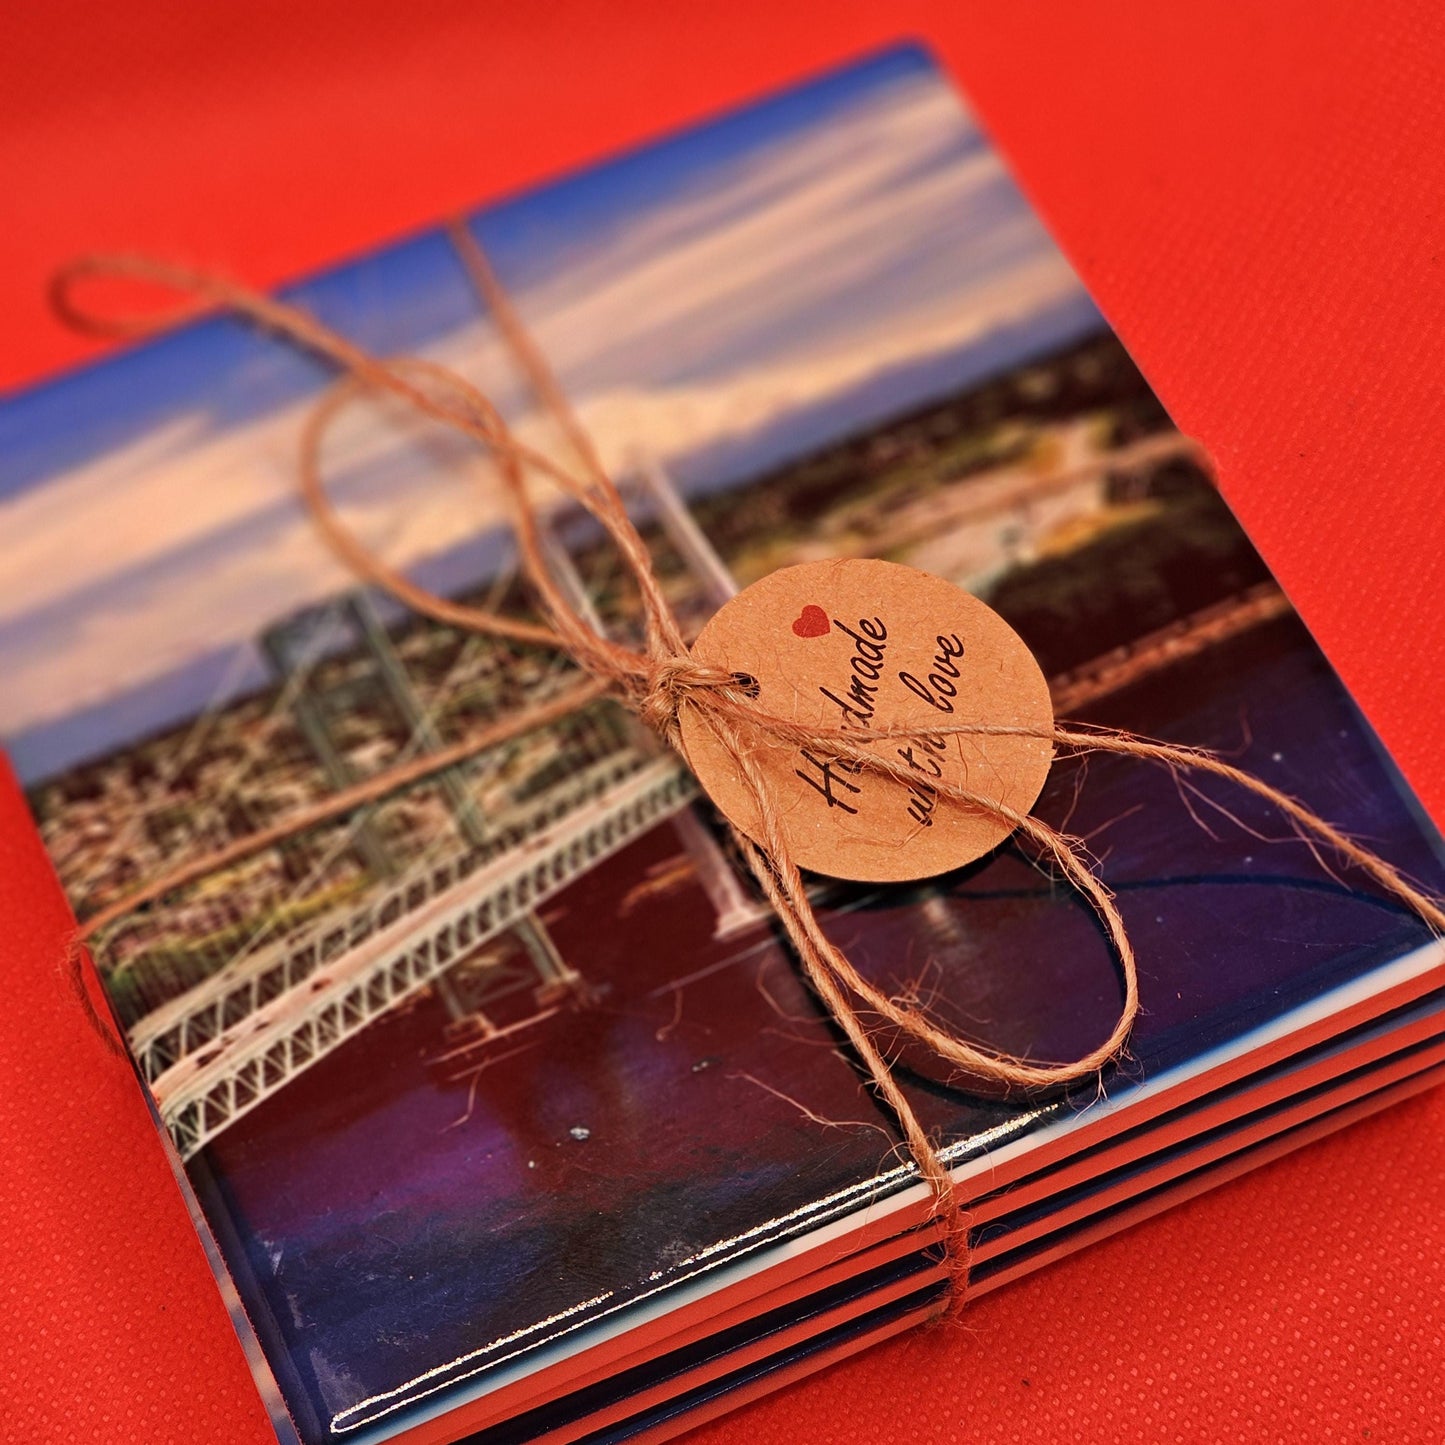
658, 682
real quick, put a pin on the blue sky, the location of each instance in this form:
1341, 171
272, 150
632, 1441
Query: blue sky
725, 298
529, 238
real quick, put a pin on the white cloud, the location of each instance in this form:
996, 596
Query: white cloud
789, 277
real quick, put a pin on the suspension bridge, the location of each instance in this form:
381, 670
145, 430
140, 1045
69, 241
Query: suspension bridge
293, 1008
575, 793
219, 1048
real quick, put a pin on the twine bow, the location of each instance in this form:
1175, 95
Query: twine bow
660, 681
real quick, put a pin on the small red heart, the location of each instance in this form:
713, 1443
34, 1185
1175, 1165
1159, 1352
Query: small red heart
812, 622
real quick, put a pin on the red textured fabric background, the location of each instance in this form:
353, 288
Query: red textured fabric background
1254, 194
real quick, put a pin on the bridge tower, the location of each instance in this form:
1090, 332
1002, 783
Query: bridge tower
735, 910
351, 626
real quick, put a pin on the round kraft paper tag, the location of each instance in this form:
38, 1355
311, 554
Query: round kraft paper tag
857, 643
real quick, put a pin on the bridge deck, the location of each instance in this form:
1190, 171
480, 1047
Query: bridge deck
202, 1013
1114, 671
213, 1086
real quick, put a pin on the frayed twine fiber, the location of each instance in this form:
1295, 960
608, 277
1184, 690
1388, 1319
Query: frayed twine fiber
658, 682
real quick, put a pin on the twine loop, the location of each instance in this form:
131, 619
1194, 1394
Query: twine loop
661, 679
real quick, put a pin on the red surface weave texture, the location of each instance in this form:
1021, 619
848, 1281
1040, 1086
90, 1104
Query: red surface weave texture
1253, 193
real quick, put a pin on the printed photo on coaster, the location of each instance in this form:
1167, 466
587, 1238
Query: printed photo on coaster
500, 1098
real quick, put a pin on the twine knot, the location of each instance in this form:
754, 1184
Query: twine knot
674, 679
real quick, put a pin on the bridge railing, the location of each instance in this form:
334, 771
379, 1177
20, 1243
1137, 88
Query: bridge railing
213, 1086
253, 978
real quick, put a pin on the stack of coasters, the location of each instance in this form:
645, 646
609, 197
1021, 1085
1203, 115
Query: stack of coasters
500, 1101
